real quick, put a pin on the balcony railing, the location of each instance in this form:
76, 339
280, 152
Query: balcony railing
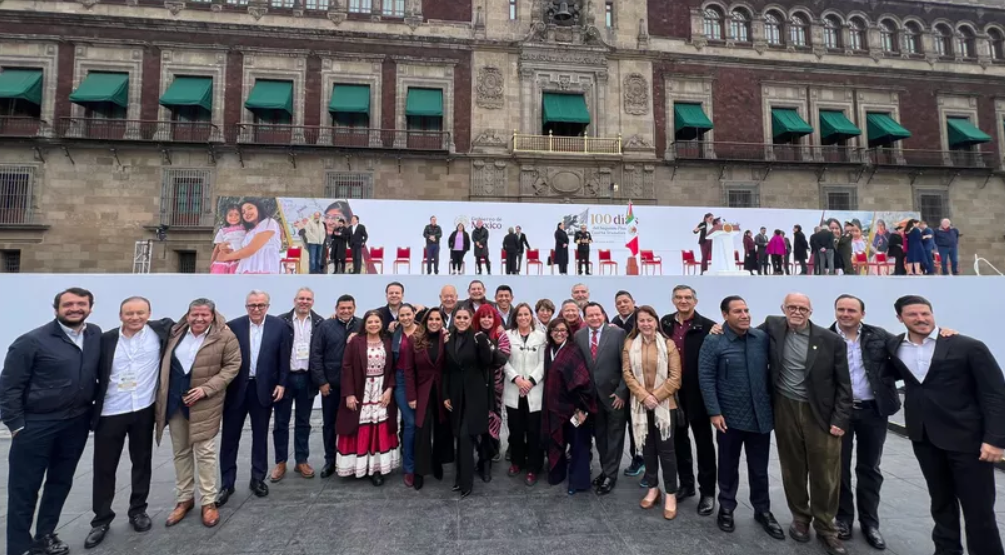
138, 130
342, 137
566, 145
19, 126
760, 152
931, 158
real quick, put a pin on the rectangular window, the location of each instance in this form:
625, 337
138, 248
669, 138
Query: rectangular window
321, 5
741, 197
512, 10
393, 8
281, 3
16, 184
609, 14
237, 2
840, 199
348, 185
186, 262
360, 6
933, 205
10, 262
185, 197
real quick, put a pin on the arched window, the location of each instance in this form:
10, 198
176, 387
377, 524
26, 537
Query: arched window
888, 35
832, 32
773, 28
997, 41
798, 26
943, 40
739, 26
967, 43
912, 38
856, 34
713, 23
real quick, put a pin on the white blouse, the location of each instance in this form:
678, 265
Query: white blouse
526, 360
266, 260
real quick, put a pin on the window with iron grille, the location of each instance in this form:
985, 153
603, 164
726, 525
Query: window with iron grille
10, 262
348, 185
393, 8
840, 198
185, 197
744, 196
16, 184
316, 4
933, 205
186, 262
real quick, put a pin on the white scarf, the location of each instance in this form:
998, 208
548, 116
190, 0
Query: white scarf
640, 422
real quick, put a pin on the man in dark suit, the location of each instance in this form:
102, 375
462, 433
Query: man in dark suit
812, 406
624, 303
955, 414
476, 296
128, 373
822, 249
327, 347
874, 399
432, 233
394, 292
583, 240
47, 392
339, 244
265, 364
601, 345
480, 238
357, 242
521, 245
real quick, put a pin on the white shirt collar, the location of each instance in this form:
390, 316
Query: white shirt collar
70, 331
934, 336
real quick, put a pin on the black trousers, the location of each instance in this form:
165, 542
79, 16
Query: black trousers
434, 441
357, 259
456, 260
525, 437
482, 257
465, 460
802, 267
763, 261
432, 258
757, 447
583, 261
511, 263
234, 414
776, 264
868, 431
633, 449
956, 479
109, 439
329, 411
701, 429
338, 260
609, 433
659, 452
48, 449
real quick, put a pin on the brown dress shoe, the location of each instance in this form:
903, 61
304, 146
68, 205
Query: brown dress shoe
278, 473
210, 516
179, 512
304, 469
647, 504
833, 545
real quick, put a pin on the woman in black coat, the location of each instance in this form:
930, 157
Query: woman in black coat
468, 391
895, 246
800, 248
561, 249
457, 254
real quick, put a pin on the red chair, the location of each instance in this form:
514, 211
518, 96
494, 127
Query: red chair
881, 263
377, 257
650, 260
937, 264
589, 264
534, 259
604, 257
403, 256
737, 260
689, 263
859, 260
502, 260
291, 264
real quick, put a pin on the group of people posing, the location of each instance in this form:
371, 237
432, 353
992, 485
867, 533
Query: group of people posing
560, 378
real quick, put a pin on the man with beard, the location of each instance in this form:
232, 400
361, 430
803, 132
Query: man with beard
47, 390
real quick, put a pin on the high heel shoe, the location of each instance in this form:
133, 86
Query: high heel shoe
647, 504
670, 514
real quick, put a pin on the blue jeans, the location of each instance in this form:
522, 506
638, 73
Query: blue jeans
949, 254
314, 252
407, 424
299, 391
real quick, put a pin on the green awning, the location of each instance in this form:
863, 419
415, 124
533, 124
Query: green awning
964, 133
690, 116
271, 95
103, 87
565, 108
883, 129
350, 99
21, 84
834, 124
424, 102
787, 123
189, 91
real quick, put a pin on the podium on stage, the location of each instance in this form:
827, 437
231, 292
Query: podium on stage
723, 261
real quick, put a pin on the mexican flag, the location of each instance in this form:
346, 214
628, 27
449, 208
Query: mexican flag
632, 231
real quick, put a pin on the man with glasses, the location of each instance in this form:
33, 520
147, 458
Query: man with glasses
265, 343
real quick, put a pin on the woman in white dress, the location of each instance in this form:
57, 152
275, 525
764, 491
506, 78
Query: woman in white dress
260, 249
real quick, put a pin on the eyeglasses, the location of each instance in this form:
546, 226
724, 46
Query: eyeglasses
797, 309
259, 306
564, 332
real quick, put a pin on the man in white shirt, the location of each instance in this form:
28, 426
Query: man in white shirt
124, 407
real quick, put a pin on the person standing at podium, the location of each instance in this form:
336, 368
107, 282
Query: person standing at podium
702, 230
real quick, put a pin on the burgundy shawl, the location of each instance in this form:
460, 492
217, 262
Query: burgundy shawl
567, 388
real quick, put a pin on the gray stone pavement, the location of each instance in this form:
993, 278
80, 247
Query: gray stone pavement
336, 516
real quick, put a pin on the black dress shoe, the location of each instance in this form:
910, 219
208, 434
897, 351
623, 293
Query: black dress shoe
684, 493
224, 496
706, 505
874, 538
800, 531
725, 520
770, 525
377, 479
418, 481
141, 522
598, 480
96, 536
486, 471
455, 487
259, 488
843, 529
328, 470
607, 486
52, 545
465, 493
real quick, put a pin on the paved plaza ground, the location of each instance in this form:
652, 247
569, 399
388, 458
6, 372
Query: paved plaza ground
505, 517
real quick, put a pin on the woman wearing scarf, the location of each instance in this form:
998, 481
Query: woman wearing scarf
651, 366
522, 393
467, 390
569, 402
488, 321
423, 366
401, 347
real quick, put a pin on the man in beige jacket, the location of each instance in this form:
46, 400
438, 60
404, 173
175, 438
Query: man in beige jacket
202, 356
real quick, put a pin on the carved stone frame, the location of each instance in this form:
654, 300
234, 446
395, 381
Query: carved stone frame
1000, 127
134, 68
296, 75
769, 102
407, 79
953, 106
673, 86
869, 101
331, 77
536, 82
847, 108
46, 61
217, 72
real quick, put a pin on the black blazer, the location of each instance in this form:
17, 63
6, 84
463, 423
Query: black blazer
690, 390
875, 358
359, 238
961, 403
273, 359
109, 341
822, 239
828, 383
800, 246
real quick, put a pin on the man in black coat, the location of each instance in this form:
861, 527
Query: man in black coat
432, 233
47, 391
480, 237
955, 414
339, 243
521, 245
800, 248
688, 330
327, 347
357, 242
128, 374
822, 247
583, 240
511, 250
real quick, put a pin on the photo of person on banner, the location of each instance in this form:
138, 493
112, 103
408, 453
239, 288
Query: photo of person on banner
260, 249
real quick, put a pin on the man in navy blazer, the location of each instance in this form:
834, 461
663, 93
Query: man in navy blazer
266, 344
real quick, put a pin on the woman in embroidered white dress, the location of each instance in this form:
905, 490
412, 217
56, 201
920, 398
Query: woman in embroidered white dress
260, 249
